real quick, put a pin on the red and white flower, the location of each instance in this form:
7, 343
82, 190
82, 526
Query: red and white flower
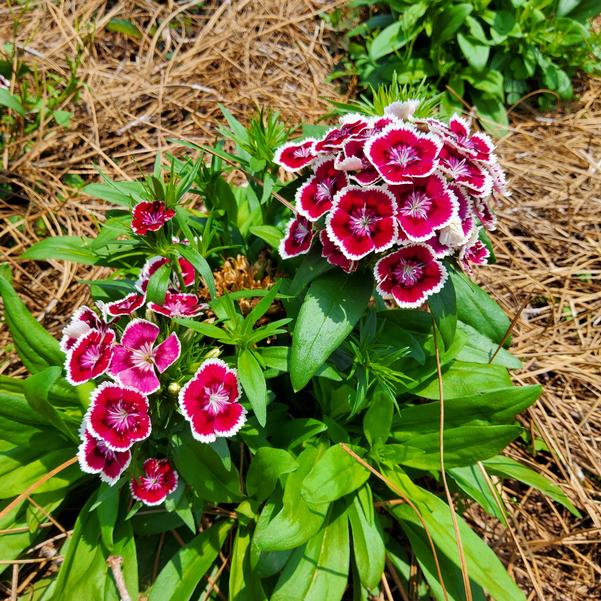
209, 401
156, 484
424, 206
401, 152
136, 359
178, 304
118, 416
95, 457
333, 255
125, 306
362, 220
355, 162
150, 216
485, 213
314, 198
474, 252
293, 156
465, 172
350, 125
298, 238
409, 275
478, 145
90, 356
83, 320
152, 265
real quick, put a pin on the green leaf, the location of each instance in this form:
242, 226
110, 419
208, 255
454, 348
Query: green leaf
158, 284
368, 546
62, 117
336, 474
107, 513
449, 21
506, 467
253, 383
11, 101
124, 27
481, 349
443, 306
244, 583
318, 570
378, 417
201, 265
120, 193
473, 483
474, 51
76, 249
266, 467
333, 305
270, 234
182, 573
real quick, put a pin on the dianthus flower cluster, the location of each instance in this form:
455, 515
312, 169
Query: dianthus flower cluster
128, 348
407, 192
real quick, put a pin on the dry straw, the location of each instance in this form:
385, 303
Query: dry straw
139, 93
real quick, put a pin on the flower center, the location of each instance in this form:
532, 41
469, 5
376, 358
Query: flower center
121, 416
408, 272
153, 218
91, 356
301, 233
302, 152
143, 357
417, 205
324, 190
218, 398
458, 167
362, 222
402, 155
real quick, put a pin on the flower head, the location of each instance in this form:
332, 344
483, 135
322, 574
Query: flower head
118, 416
350, 125
401, 152
355, 161
477, 146
83, 320
156, 484
177, 304
152, 265
125, 306
150, 216
314, 198
293, 156
209, 401
465, 171
298, 238
136, 358
95, 457
362, 220
332, 254
410, 275
90, 356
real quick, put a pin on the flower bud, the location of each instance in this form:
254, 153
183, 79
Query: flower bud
173, 388
213, 353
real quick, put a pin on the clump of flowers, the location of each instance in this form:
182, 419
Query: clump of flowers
130, 349
398, 192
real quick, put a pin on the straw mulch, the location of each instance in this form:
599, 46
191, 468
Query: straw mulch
138, 94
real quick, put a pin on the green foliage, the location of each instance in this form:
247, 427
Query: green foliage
491, 54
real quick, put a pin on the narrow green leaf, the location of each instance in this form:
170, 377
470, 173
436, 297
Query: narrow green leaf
76, 249
158, 284
267, 465
444, 309
253, 383
201, 265
11, 101
378, 417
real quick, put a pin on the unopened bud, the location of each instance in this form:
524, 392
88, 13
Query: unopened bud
213, 353
174, 388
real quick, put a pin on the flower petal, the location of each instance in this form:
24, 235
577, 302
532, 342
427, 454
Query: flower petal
139, 333
167, 353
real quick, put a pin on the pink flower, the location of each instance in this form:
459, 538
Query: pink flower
150, 216
118, 416
410, 275
125, 306
95, 457
485, 214
298, 238
465, 171
424, 206
314, 197
362, 220
331, 253
178, 305
293, 156
474, 252
152, 265
209, 401
83, 320
136, 357
350, 125
401, 152
477, 146
90, 356
356, 162
157, 483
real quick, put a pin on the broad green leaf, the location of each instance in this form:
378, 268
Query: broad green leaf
475, 52
62, 117
244, 583
76, 249
318, 570
336, 474
182, 573
158, 284
298, 431
390, 39
368, 546
11, 101
378, 417
473, 483
201, 265
481, 349
253, 383
443, 306
266, 467
270, 234
506, 467
124, 27
449, 21
124, 194
333, 305
107, 513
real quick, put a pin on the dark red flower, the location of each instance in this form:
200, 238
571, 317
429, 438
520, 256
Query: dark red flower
424, 206
332, 254
362, 220
209, 401
118, 415
125, 306
485, 213
350, 125
83, 320
297, 239
178, 304
401, 152
314, 197
150, 216
356, 163
465, 172
95, 457
474, 252
409, 275
153, 264
156, 484
293, 156
90, 356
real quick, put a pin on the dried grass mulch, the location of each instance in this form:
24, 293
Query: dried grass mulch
139, 94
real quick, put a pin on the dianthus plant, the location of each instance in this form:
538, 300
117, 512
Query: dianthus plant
251, 407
